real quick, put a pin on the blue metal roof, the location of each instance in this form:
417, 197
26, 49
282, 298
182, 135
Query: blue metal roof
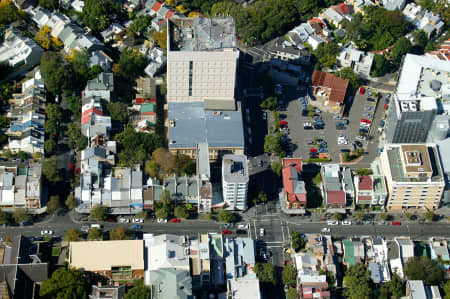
194, 125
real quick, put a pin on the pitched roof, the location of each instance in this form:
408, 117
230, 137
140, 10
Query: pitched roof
365, 182
342, 8
293, 186
334, 197
337, 85
156, 6
364, 198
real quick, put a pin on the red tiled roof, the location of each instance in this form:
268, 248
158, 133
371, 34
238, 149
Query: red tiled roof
85, 119
162, 22
364, 198
334, 197
92, 110
169, 14
148, 113
341, 8
296, 162
156, 6
337, 85
318, 21
365, 182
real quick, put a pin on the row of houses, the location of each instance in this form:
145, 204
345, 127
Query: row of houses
393, 182
173, 266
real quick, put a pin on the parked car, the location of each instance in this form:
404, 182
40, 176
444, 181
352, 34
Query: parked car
396, 223
264, 115
241, 232
27, 223
332, 222
325, 230
358, 143
261, 232
136, 226
243, 226
85, 229
124, 220
381, 123
313, 150
175, 220
346, 222
111, 220
371, 99
366, 121
362, 89
160, 220
226, 232
96, 225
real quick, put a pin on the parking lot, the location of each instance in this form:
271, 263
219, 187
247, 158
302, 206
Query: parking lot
361, 108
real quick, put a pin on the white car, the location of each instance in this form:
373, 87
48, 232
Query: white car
124, 220
264, 115
162, 220
325, 230
243, 226
46, 232
342, 141
346, 222
261, 232
331, 222
364, 125
138, 220
360, 137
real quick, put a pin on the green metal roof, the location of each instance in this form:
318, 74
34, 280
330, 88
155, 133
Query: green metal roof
150, 107
421, 249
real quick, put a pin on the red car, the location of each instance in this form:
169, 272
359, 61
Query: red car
283, 123
313, 150
396, 223
175, 220
363, 120
226, 232
362, 90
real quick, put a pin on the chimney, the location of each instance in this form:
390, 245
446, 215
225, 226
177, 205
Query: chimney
99, 284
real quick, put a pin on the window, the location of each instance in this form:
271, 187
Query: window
191, 66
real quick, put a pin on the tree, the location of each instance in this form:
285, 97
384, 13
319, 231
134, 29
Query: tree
54, 117
21, 216
337, 216
98, 213
96, 13
65, 283
181, 212
140, 24
326, 53
74, 104
73, 235
399, 49
380, 66
447, 289
118, 233
357, 281
276, 168
139, 291
49, 146
359, 216
363, 171
298, 241
184, 165
161, 213
152, 168
77, 141
118, 111
160, 37
395, 286
142, 214
95, 234
225, 216
53, 204
4, 217
289, 275
292, 293
131, 64
270, 103
45, 40
266, 273
49, 4
262, 196
58, 76
408, 215
424, 268
272, 144
164, 160
420, 38
71, 203
430, 216
9, 13
208, 216
317, 180
348, 73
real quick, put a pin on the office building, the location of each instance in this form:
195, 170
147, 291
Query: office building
235, 181
201, 61
414, 176
419, 109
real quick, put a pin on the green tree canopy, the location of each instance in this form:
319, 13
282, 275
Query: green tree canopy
399, 49
270, 103
57, 74
77, 140
53, 204
9, 13
138, 291
71, 202
298, 241
96, 13
4, 217
49, 146
95, 234
180, 212
447, 289
225, 216
289, 275
424, 268
21, 216
272, 144
73, 235
292, 293
54, 117
326, 53
266, 273
276, 168
131, 64
396, 287
140, 24
358, 283
74, 104
65, 284
348, 73
98, 213
118, 233
49, 4
118, 111
430, 216
380, 66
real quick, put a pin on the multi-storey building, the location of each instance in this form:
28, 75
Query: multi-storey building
235, 181
414, 176
201, 61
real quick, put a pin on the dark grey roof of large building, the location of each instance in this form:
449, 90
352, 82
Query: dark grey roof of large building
194, 125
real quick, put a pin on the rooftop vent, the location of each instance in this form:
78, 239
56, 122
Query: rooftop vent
172, 122
435, 85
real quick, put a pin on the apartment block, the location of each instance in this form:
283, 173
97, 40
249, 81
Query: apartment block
235, 181
201, 61
414, 176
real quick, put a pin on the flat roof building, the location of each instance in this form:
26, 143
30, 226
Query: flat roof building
235, 181
201, 61
414, 176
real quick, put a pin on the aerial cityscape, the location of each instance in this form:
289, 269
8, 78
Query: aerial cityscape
229, 149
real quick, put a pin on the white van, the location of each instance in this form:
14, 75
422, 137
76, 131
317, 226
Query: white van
96, 225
